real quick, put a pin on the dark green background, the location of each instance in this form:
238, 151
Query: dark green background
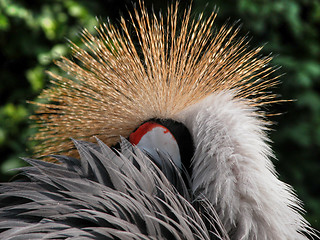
34, 33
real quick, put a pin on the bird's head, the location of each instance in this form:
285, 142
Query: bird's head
184, 88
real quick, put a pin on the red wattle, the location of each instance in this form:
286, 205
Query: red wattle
136, 136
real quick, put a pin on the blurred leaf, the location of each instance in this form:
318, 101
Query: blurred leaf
310, 100
4, 23
15, 113
11, 163
76, 10
2, 136
36, 78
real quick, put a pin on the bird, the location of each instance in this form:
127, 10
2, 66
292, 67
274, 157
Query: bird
157, 129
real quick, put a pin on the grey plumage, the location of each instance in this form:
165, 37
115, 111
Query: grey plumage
104, 195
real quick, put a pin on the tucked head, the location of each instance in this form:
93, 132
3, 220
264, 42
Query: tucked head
186, 89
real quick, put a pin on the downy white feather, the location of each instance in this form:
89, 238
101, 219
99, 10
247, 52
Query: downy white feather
232, 168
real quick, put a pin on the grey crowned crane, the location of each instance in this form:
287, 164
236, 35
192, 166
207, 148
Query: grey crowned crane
176, 108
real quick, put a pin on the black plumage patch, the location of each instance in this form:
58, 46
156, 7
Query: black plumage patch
184, 141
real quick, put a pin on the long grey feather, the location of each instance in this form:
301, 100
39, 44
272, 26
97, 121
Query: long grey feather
104, 195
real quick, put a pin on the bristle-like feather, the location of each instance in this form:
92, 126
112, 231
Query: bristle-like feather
164, 65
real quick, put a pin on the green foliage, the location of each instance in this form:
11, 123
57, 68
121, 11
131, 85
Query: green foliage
33, 34
31, 38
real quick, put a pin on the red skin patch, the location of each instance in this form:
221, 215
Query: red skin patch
136, 136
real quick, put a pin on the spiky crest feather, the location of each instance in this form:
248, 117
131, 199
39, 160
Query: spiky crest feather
164, 66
